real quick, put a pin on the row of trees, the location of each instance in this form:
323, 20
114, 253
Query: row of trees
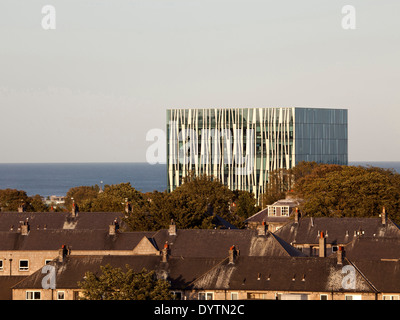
327, 190
195, 204
11, 199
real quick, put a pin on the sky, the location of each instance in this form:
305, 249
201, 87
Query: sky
90, 87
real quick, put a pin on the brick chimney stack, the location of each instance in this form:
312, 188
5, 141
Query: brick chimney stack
232, 254
127, 206
164, 252
25, 227
74, 210
262, 229
21, 207
383, 216
62, 253
322, 245
297, 216
340, 255
172, 228
113, 228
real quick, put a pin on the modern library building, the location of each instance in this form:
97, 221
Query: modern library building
240, 146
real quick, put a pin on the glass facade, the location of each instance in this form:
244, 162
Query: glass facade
241, 146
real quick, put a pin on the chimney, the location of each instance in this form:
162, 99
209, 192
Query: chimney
165, 252
127, 206
172, 228
232, 254
261, 229
21, 208
113, 228
296, 216
62, 253
340, 255
74, 210
322, 245
383, 216
25, 228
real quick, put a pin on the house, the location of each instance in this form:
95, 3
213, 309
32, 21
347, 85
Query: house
276, 215
231, 278
305, 233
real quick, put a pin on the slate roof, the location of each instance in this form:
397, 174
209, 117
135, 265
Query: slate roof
214, 243
310, 274
203, 243
373, 248
179, 271
59, 220
75, 239
384, 275
337, 230
6, 282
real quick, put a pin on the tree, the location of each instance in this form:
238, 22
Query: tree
333, 190
11, 199
83, 195
245, 204
115, 284
194, 204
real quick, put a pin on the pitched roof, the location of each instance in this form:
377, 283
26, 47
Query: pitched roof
59, 220
75, 239
6, 282
215, 243
384, 275
310, 274
211, 243
373, 248
179, 271
337, 230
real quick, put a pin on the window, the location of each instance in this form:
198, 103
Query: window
234, 296
353, 297
33, 295
206, 296
256, 296
60, 295
1, 265
323, 297
47, 261
271, 211
285, 211
23, 265
386, 297
177, 295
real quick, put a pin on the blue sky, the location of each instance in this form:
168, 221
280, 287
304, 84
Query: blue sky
90, 90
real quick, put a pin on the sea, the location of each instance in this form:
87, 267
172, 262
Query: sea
47, 179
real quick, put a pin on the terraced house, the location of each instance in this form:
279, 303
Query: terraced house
218, 264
